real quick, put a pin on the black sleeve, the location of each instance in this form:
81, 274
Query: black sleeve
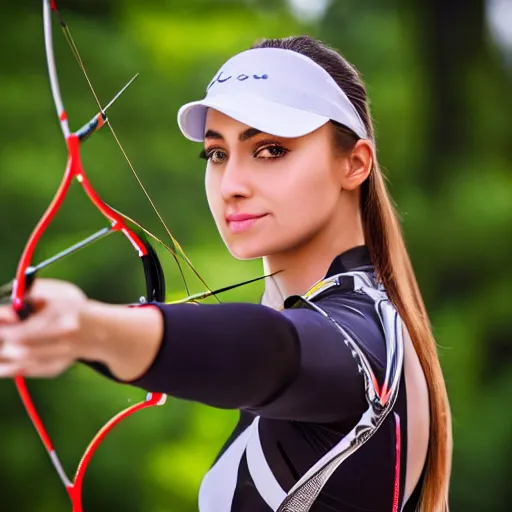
328, 386
291, 365
231, 356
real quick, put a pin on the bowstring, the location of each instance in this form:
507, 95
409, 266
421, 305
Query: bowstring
180, 251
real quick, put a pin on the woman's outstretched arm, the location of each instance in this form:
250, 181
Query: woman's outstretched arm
225, 355
292, 364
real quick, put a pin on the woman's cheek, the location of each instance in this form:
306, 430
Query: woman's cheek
307, 208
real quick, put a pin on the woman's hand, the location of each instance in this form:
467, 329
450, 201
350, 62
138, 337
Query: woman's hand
67, 326
51, 339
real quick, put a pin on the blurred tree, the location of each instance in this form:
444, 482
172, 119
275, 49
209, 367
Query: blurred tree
441, 103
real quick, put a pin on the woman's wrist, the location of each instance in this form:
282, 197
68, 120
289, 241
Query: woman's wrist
125, 339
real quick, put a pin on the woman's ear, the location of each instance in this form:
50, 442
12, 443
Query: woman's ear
359, 165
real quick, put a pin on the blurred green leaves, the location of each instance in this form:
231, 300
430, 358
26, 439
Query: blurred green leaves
455, 202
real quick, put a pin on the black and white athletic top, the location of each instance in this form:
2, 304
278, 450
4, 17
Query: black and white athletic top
319, 387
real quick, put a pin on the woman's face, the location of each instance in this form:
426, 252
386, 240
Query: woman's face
269, 194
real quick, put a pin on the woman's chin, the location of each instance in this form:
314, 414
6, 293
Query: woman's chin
247, 248
245, 251
255, 248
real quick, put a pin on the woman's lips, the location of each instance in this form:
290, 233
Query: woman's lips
242, 222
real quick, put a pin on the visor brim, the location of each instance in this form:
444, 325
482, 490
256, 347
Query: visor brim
256, 112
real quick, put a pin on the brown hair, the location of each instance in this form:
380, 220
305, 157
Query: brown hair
384, 238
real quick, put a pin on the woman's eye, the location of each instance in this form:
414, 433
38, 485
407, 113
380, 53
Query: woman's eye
271, 152
217, 156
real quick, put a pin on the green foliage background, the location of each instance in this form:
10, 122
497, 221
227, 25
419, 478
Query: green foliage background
440, 92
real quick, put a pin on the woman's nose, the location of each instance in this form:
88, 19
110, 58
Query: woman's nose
235, 180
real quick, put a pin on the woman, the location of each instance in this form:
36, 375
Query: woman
342, 406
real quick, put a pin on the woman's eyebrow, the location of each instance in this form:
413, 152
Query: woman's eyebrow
211, 134
245, 135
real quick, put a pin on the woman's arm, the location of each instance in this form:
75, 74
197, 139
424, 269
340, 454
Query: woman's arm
124, 339
292, 364
65, 326
231, 356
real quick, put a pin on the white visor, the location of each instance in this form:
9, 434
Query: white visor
279, 92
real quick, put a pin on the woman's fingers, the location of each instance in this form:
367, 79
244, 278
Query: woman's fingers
41, 346
8, 315
41, 359
50, 340
46, 325
10, 370
49, 349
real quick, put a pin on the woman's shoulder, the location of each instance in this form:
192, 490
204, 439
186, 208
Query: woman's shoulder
348, 307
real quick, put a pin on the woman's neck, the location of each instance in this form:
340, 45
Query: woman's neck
298, 269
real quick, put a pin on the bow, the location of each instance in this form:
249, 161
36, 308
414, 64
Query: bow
118, 222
